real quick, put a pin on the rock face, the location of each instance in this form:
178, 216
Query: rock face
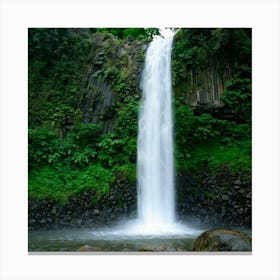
223, 199
114, 72
85, 209
209, 84
223, 240
205, 84
220, 200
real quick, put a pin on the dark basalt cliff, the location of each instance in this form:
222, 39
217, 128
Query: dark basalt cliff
113, 73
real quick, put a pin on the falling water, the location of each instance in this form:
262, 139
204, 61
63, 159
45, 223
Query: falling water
155, 171
156, 207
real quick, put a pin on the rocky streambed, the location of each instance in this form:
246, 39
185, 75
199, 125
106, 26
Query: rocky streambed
106, 240
86, 240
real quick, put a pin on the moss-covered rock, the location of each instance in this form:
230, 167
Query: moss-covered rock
223, 240
113, 75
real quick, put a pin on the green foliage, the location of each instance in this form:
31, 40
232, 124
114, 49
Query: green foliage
193, 130
56, 59
61, 182
237, 96
127, 171
126, 126
46, 182
82, 157
206, 136
141, 33
94, 176
238, 158
130, 149
78, 149
110, 150
196, 48
67, 157
134, 33
43, 147
86, 134
112, 74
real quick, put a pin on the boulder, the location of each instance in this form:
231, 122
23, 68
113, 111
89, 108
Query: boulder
223, 240
88, 248
159, 248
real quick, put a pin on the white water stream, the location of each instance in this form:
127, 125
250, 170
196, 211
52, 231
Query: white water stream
155, 170
156, 207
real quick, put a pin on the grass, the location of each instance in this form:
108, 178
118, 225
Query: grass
236, 157
60, 183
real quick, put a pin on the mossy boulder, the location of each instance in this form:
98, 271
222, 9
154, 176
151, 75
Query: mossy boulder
223, 240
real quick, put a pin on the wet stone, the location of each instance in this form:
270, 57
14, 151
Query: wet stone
223, 240
88, 248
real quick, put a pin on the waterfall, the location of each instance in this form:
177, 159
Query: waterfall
155, 171
156, 206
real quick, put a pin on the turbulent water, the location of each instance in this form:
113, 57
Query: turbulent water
156, 207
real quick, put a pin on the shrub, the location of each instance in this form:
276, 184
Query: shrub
61, 182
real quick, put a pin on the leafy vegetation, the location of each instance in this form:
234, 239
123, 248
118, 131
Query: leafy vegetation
56, 57
215, 135
60, 182
68, 155
134, 33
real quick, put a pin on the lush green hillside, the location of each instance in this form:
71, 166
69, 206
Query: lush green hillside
218, 132
69, 69
84, 95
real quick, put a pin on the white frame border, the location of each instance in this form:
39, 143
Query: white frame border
17, 16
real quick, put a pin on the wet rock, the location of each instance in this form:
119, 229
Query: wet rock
158, 248
88, 248
224, 197
237, 182
54, 209
146, 249
79, 222
161, 248
215, 199
223, 240
179, 249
